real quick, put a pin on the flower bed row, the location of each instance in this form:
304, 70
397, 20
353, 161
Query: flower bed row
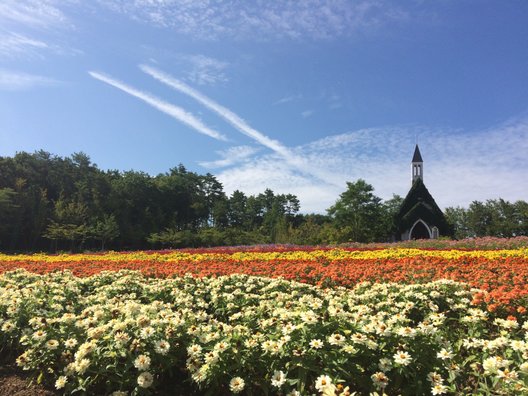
501, 273
122, 333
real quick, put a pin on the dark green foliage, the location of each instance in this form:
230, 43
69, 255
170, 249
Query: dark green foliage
495, 217
53, 203
50, 203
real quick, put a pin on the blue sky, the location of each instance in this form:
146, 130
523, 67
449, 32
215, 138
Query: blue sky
296, 96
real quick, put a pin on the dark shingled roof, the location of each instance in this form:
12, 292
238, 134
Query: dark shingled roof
419, 204
417, 156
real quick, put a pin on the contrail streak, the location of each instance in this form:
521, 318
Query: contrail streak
240, 124
174, 111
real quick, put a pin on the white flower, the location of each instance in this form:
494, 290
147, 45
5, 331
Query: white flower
142, 362
52, 344
385, 364
61, 382
194, 350
161, 347
438, 389
380, 380
145, 379
39, 335
336, 339
236, 385
70, 343
82, 365
444, 354
322, 382
316, 343
402, 357
435, 378
278, 379
507, 375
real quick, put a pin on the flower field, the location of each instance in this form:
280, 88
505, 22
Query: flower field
271, 320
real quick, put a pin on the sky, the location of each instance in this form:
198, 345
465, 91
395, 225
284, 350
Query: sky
297, 96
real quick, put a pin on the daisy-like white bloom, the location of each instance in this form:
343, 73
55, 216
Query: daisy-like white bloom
194, 350
507, 375
142, 362
385, 364
147, 332
294, 393
518, 345
70, 343
435, 378
121, 337
161, 347
445, 354
336, 339
8, 326
23, 360
407, 332
322, 382
493, 363
39, 335
316, 343
438, 389
52, 344
236, 385
379, 379
221, 346
145, 380
82, 365
403, 358
278, 379
61, 382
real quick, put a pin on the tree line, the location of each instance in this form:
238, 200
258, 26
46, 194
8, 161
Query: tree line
52, 203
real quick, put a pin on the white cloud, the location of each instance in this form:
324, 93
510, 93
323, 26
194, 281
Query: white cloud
287, 99
13, 45
17, 81
174, 111
314, 19
206, 70
459, 166
37, 14
289, 156
230, 157
307, 113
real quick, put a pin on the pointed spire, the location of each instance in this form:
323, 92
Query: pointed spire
417, 165
417, 157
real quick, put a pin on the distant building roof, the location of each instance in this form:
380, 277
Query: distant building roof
417, 157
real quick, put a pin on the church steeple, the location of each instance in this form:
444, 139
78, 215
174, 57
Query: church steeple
417, 165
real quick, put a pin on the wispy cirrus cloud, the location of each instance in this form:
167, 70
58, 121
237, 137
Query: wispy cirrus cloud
19, 81
36, 14
205, 70
460, 166
313, 19
289, 156
173, 111
13, 45
233, 155
287, 99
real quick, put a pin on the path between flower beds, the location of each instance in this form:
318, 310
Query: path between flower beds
15, 382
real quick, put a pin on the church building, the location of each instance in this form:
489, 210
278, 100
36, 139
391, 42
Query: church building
419, 216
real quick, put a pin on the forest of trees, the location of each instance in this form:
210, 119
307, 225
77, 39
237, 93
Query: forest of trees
50, 203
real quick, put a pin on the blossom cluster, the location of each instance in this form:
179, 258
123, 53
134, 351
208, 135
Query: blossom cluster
502, 274
123, 333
